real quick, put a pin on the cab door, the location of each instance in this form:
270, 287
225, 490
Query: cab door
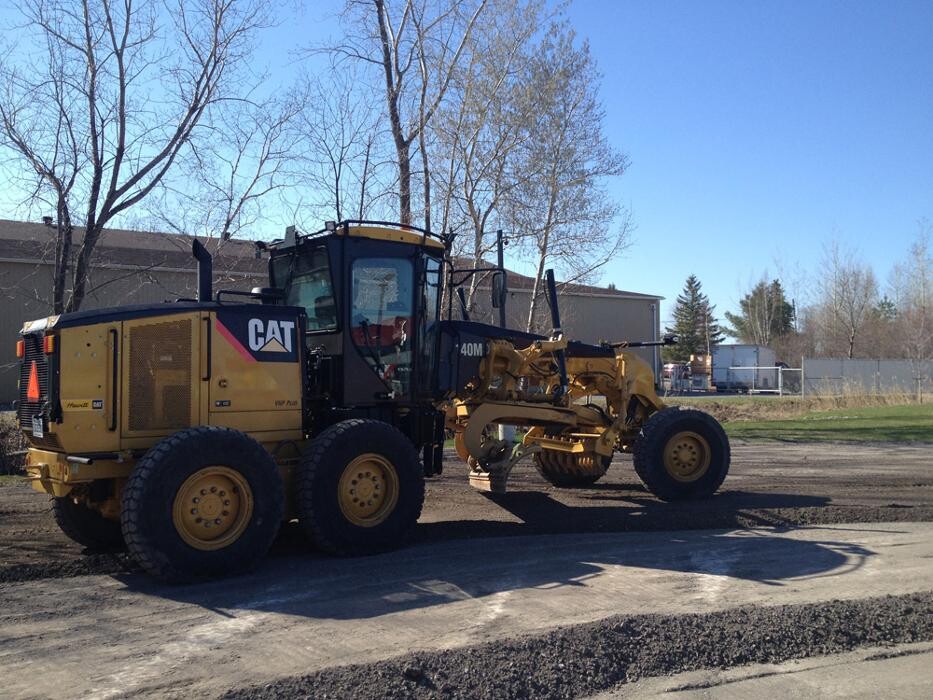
428, 340
381, 328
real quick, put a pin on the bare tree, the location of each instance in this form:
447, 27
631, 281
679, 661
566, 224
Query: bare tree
339, 139
482, 127
244, 154
562, 205
848, 292
113, 102
416, 46
912, 287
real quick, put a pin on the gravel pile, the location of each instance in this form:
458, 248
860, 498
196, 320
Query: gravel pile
584, 659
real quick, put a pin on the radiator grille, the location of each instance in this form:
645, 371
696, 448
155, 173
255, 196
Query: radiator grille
49, 441
160, 376
25, 409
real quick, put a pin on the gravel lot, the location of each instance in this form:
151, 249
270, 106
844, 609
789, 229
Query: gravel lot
779, 487
770, 484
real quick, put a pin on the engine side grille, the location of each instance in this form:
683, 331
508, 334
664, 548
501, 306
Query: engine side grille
160, 376
26, 409
49, 442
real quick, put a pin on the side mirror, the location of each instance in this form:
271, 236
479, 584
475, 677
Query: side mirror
498, 289
671, 339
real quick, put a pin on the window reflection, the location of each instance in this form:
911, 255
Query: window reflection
381, 317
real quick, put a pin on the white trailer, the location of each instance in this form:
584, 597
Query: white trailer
744, 368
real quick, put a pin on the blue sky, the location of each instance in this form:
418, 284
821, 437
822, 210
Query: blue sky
761, 131
757, 132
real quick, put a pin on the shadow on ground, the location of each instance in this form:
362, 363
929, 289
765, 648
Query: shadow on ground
422, 576
626, 509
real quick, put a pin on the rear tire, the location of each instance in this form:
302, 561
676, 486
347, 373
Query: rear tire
86, 526
681, 454
567, 470
360, 488
204, 502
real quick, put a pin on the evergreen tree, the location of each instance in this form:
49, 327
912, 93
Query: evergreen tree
886, 309
694, 324
765, 315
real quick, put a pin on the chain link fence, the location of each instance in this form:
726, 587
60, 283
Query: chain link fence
832, 377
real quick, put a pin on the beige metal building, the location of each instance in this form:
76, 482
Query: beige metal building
130, 267
588, 313
135, 267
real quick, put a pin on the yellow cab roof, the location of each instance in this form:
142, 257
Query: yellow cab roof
389, 233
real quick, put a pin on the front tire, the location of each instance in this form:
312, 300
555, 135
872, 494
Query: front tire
86, 526
682, 454
204, 502
360, 488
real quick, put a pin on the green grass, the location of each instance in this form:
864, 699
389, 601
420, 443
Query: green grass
911, 423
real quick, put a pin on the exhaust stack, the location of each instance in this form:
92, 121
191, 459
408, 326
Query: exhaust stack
205, 270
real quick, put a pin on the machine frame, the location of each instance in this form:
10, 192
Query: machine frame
189, 430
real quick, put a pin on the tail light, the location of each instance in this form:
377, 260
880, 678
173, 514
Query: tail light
20, 349
48, 344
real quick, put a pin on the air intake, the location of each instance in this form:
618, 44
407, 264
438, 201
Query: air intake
205, 270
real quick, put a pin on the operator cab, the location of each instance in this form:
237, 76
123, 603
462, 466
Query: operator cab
371, 293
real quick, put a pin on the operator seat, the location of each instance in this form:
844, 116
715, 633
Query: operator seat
325, 312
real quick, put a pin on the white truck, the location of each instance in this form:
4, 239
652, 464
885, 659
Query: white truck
744, 368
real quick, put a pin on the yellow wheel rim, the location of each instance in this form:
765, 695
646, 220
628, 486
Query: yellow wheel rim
368, 490
460, 446
687, 456
212, 508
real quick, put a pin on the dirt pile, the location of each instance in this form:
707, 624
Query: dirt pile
584, 659
12, 445
117, 563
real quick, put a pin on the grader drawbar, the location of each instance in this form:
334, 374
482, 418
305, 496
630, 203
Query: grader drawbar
188, 431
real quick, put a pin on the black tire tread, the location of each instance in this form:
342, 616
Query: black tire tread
146, 470
86, 526
651, 471
316, 459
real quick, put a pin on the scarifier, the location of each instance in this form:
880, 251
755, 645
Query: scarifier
189, 431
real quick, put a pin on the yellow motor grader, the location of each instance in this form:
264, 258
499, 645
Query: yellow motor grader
188, 431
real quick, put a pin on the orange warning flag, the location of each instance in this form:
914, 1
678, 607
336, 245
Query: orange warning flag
32, 389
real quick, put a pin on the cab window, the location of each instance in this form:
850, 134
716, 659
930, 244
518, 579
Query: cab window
305, 277
381, 317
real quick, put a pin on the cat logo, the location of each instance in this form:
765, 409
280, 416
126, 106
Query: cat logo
270, 336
